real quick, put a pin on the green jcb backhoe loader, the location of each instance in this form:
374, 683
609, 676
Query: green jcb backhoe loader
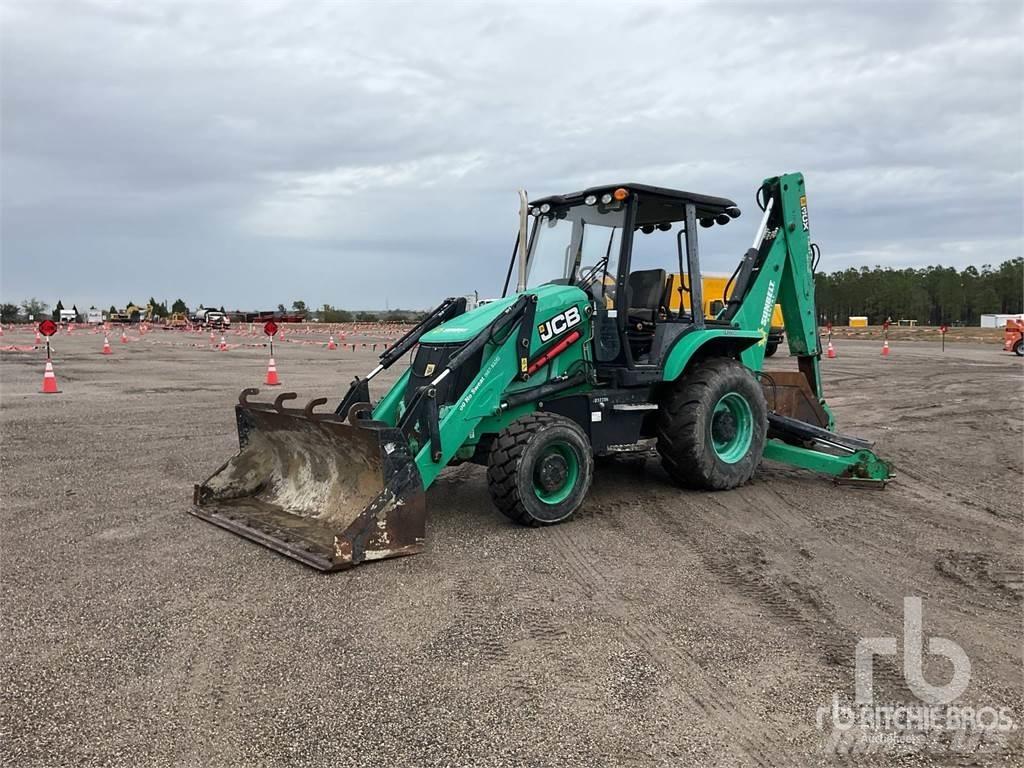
580, 358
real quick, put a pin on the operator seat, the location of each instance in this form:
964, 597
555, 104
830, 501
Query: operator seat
646, 294
646, 299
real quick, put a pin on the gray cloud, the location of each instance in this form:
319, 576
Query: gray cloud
250, 153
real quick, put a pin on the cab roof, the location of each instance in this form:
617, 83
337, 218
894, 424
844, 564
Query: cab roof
656, 203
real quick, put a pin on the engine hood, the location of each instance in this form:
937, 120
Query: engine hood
551, 299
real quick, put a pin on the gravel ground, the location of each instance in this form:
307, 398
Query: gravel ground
659, 627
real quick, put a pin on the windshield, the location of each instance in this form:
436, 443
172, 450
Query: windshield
549, 257
578, 244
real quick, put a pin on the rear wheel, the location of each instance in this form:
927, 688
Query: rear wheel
1019, 347
539, 469
771, 348
712, 426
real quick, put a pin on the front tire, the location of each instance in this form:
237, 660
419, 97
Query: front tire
1018, 348
771, 348
540, 469
712, 426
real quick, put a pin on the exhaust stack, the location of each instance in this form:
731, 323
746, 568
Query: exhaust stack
524, 215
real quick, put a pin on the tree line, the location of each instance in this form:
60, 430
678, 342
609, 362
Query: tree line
931, 296
40, 310
330, 314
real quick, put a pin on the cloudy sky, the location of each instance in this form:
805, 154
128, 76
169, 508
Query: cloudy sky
251, 153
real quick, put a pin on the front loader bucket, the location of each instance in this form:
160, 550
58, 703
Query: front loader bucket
317, 488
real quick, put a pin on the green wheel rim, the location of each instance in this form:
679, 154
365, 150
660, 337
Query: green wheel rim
732, 427
555, 473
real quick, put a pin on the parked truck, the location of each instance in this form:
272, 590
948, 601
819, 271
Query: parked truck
1013, 339
211, 318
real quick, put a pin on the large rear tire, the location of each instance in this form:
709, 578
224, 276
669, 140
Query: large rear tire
539, 469
712, 426
1018, 348
771, 348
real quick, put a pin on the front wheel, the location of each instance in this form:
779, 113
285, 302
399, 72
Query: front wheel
771, 348
712, 426
1018, 348
539, 469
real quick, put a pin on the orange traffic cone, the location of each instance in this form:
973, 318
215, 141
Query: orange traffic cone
885, 348
106, 347
1, 329
280, 335
271, 374
831, 351
39, 339
213, 339
330, 343
223, 346
124, 336
49, 380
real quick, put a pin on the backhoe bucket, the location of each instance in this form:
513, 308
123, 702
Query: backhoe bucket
317, 488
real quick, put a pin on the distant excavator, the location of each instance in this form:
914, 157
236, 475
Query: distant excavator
581, 357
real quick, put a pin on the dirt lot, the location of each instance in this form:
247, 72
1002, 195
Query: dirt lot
659, 627
929, 333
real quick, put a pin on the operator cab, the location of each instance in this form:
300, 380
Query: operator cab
633, 249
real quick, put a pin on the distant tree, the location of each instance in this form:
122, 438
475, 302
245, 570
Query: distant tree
366, 317
159, 307
281, 309
112, 311
179, 306
56, 310
34, 308
331, 315
299, 306
222, 309
9, 313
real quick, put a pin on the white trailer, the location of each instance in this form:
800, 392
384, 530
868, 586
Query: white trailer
998, 321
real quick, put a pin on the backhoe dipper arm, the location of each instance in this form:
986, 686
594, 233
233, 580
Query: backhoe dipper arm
781, 273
